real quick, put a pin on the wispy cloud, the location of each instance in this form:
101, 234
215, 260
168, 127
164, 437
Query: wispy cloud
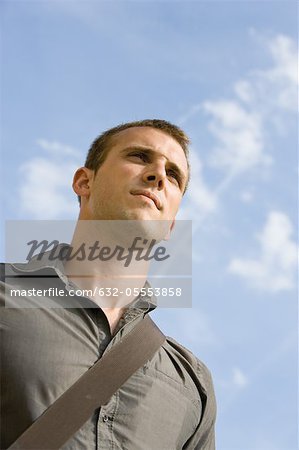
273, 91
239, 378
274, 268
195, 326
247, 196
45, 191
57, 148
200, 199
288, 345
240, 125
282, 77
239, 135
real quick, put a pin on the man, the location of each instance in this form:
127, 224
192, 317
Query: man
137, 172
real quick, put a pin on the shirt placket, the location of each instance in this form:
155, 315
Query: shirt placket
108, 413
106, 417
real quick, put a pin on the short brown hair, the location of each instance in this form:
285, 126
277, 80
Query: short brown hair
100, 147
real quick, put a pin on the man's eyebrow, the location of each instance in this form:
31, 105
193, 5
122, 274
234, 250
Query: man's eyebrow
149, 151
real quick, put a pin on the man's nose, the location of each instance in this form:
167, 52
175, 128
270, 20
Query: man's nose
155, 175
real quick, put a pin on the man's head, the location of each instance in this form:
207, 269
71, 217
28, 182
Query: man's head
100, 147
135, 171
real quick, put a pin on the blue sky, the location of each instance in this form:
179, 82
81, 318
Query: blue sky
227, 73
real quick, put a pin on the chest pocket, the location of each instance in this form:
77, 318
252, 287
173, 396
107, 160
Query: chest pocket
155, 411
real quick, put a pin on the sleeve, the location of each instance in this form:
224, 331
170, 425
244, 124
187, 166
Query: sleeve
204, 436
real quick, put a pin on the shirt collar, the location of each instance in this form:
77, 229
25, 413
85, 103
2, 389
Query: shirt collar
44, 261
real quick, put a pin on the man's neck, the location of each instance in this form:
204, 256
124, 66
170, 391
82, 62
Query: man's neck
111, 284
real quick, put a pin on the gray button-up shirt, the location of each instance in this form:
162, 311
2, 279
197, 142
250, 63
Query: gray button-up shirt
167, 404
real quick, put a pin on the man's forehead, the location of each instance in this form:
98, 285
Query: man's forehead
149, 137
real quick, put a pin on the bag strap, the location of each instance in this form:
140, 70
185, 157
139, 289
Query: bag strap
93, 389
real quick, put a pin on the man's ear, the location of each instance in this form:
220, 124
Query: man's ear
82, 181
167, 237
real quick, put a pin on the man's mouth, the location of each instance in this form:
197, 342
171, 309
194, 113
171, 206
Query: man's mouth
149, 195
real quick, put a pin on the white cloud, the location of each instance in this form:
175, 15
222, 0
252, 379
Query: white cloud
275, 268
246, 196
239, 134
57, 148
195, 327
188, 325
244, 90
285, 55
190, 113
239, 124
200, 199
239, 378
45, 191
274, 89
283, 76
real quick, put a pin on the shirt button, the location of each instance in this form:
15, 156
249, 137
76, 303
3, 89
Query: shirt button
105, 418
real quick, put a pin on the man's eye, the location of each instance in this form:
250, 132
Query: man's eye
140, 155
174, 175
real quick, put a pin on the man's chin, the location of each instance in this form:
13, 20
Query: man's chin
143, 223
147, 227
